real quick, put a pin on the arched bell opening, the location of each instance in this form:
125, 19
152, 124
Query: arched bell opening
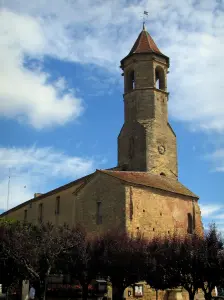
160, 78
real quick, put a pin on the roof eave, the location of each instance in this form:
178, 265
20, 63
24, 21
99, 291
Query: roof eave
146, 52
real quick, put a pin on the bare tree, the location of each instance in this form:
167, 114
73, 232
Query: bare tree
161, 263
173, 262
81, 262
212, 262
122, 258
37, 248
11, 272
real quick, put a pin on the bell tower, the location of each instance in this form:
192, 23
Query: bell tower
146, 142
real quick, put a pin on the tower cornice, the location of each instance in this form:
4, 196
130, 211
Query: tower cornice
154, 58
152, 53
147, 88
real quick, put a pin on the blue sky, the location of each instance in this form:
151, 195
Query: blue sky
61, 105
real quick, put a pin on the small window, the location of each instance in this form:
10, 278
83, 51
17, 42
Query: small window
132, 78
131, 210
57, 206
160, 78
162, 174
30, 204
130, 81
25, 215
190, 223
99, 218
40, 217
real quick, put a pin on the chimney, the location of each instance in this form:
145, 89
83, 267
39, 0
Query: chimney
37, 195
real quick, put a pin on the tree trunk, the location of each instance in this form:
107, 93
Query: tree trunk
191, 295
208, 295
85, 291
118, 293
42, 289
7, 293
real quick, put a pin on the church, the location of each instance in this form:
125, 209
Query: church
142, 194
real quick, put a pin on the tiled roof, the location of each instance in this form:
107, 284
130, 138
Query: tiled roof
144, 43
151, 180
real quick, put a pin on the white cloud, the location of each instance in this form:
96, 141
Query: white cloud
217, 160
209, 210
213, 213
26, 94
220, 217
102, 32
36, 169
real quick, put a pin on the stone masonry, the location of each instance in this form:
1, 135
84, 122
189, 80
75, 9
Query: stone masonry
146, 142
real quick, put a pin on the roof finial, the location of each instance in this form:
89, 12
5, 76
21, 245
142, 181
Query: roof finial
144, 14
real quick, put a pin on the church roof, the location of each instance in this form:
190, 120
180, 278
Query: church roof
144, 43
151, 180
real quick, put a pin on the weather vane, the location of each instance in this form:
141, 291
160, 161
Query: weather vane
145, 14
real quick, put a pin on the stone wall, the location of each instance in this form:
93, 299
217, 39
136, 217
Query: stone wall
154, 212
48, 202
111, 193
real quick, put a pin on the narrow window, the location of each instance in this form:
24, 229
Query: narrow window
190, 223
131, 209
131, 206
130, 81
25, 215
160, 78
99, 218
193, 214
157, 81
57, 206
40, 212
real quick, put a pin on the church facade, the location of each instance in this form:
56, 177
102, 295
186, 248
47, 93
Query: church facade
142, 194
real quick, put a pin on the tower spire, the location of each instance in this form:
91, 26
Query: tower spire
144, 43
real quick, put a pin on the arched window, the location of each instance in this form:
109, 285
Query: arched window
190, 223
160, 78
130, 81
162, 174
